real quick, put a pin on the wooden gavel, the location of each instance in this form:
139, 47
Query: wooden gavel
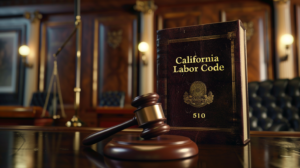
148, 115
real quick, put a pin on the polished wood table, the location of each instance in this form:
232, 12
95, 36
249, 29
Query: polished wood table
19, 115
60, 147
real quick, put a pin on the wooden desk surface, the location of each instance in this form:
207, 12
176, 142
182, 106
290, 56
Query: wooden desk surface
60, 147
20, 112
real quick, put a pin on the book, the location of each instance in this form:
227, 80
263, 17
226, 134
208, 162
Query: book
202, 81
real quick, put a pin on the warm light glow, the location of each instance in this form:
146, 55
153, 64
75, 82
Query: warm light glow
287, 39
24, 50
143, 47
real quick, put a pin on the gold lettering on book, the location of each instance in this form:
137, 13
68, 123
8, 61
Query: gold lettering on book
197, 97
205, 68
198, 115
195, 59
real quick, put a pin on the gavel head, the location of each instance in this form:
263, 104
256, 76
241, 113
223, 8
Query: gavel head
150, 116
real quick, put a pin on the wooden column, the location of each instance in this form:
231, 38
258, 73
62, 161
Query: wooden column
285, 68
33, 57
146, 9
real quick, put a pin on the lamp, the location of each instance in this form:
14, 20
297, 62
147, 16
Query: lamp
24, 52
287, 40
143, 48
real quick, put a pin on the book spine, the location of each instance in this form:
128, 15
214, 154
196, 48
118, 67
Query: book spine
162, 51
239, 116
243, 84
236, 118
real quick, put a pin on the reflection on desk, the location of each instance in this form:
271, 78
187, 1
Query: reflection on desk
57, 147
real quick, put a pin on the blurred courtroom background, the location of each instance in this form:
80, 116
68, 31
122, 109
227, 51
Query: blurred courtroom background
113, 70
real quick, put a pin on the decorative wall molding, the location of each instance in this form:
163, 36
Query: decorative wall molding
281, 1
36, 2
114, 38
249, 29
145, 6
33, 16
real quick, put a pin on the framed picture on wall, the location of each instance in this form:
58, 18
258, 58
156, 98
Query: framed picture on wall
8, 61
12, 71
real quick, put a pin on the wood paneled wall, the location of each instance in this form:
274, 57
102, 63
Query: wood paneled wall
54, 33
115, 38
108, 59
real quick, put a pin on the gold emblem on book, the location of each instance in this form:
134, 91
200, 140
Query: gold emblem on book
197, 97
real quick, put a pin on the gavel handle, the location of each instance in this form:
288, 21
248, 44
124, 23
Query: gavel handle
98, 136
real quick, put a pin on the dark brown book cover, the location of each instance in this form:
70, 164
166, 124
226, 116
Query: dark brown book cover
202, 81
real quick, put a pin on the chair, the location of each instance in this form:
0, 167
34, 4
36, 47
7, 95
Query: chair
274, 105
112, 98
39, 99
